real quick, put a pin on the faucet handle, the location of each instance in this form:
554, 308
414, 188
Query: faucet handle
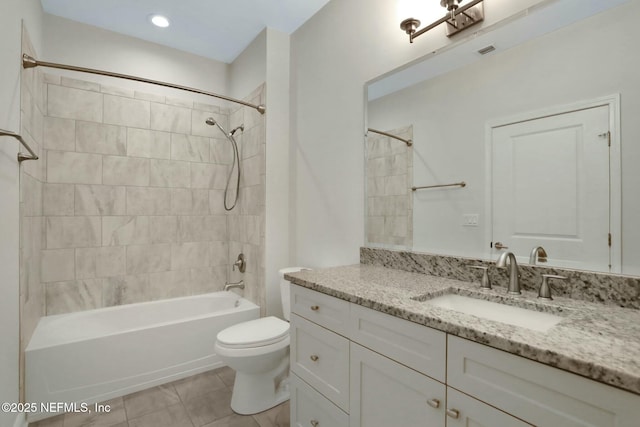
485, 283
545, 289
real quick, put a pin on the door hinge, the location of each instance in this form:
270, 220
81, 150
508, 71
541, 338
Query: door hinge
609, 239
607, 135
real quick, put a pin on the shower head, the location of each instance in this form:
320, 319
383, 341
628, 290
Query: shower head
210, 121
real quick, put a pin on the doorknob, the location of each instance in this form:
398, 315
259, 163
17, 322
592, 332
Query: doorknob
499, 245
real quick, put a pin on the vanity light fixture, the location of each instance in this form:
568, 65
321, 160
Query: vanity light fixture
460, 17
159, 20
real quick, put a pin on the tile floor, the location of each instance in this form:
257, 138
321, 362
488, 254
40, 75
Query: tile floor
198, 401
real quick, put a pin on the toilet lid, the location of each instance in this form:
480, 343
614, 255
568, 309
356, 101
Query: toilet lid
254, 333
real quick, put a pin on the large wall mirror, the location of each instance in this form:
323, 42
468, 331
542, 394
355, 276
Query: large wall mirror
544, 135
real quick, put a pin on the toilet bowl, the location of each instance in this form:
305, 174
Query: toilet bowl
258, 350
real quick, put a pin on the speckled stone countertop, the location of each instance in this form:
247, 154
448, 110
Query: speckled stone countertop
597, 341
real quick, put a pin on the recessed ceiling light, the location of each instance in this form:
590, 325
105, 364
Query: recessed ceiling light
159, 21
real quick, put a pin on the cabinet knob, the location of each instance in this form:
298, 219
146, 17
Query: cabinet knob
314, 423
314, 358
453, 413
315, 308
434, 403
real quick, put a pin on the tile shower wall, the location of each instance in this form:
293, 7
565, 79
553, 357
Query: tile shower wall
389, 180
31, 218
133, 197
247, 220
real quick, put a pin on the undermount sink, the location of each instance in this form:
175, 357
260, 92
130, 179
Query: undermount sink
497, 311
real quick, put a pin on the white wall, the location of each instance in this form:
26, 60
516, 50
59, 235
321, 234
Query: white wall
556, 69
277, 158
13, 11
249, 69
333, 55
73, 43
266, 59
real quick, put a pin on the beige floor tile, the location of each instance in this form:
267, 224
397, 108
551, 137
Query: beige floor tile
116, 415
150, 400
275, 417
197, 385
171, 416
234, 420
209, 407
57, 421
227, 375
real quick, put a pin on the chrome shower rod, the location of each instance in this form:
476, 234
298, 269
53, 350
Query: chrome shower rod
406, 141
31, 62
21, 156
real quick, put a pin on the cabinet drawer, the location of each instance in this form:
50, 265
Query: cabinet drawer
539, 394
419, 347
325, 310
321, 358
463, 411
310, 409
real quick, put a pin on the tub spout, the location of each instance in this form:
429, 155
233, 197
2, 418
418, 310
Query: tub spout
239, 285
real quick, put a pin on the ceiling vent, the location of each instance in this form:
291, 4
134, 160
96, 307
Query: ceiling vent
486, 50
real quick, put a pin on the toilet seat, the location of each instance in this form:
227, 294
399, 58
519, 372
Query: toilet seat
254, 333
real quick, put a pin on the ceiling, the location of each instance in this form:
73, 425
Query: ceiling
216, 29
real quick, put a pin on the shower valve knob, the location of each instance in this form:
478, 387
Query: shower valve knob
240, 263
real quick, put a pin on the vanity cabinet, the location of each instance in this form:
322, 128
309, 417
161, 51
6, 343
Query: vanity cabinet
377, 370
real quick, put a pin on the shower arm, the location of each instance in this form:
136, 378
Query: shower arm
31, 62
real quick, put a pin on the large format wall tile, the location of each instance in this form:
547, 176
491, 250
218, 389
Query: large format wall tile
125, 171
74, 168
99, 200
72, 232
70, 103
99, 138
126, 112
169, 118
148, 258
133, 197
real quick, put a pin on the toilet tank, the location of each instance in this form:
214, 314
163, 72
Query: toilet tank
285, 288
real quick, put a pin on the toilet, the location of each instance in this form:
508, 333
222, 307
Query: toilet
258, 350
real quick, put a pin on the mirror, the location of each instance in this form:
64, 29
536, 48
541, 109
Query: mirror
454, 103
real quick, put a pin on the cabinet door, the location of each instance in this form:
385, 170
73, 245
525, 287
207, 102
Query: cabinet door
536, 393
310, 409
321, 358
465, 411
385, 393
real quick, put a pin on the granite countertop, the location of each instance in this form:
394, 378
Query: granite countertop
597, 341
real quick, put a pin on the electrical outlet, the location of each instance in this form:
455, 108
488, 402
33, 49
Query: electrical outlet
470, 220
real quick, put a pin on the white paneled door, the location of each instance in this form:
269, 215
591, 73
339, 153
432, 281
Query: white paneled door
551, 188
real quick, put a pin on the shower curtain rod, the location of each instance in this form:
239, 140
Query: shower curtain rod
406, 141
21, 156
31, 62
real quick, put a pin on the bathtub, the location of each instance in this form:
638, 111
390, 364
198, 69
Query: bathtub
95, 355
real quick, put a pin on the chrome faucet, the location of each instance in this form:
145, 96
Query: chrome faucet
239, 285
514, 281
537, 254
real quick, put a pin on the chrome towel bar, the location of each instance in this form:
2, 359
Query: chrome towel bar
21, 156
457, 184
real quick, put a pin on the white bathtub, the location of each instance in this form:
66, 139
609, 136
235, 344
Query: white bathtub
91, 356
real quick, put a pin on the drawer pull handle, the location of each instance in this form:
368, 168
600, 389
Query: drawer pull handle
315, 423
314, 358
315, 307
453, 413
434, 403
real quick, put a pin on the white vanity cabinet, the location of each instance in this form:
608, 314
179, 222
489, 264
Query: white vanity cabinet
377, 370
